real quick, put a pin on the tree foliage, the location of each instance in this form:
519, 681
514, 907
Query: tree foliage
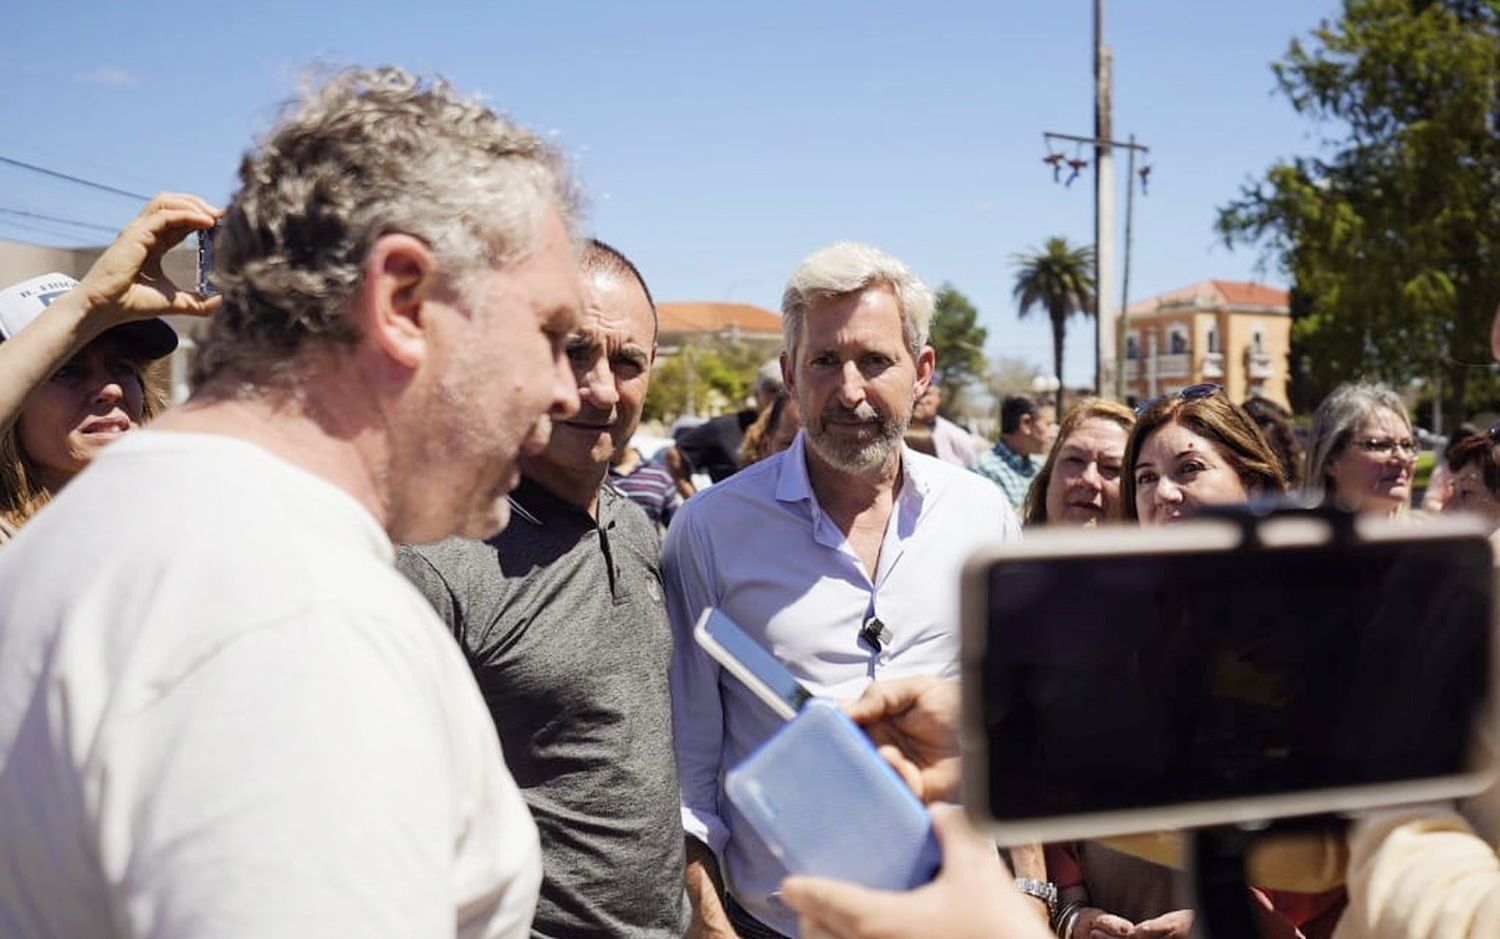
1389, 234
1058, 279
958, 339
703, 376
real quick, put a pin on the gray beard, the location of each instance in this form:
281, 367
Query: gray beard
856, 457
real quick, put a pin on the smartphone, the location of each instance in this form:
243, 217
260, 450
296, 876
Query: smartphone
748, 661
206, 261
1224, 671
817, 793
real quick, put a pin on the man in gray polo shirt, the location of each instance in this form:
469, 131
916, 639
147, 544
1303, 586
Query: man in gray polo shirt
562, 621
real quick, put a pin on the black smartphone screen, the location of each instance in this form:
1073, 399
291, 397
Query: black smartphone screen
1130, 682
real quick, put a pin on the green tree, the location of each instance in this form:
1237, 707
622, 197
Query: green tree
703, 376
1388, 234
958, 339
1060, 280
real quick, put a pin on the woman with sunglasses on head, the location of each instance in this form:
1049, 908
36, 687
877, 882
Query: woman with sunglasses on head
1080, 482
1195, 448
75, 357
1361, 455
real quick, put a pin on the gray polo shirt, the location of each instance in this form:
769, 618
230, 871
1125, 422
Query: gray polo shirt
563, 624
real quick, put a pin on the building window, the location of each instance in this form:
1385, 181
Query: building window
1177, 341
1258, 340
1213, 340
1132, 347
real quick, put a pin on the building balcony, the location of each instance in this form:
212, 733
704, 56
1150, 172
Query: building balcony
1258, 366
1163, 367
1213, 365
1174, 366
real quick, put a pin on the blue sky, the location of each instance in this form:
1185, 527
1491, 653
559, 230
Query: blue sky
718, 142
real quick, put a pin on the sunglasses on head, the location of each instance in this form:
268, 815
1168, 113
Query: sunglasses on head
1196, 392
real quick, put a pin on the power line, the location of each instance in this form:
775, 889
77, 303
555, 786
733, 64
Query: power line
74, 179
53, 218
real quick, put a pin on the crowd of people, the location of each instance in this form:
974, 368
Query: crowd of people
377, 635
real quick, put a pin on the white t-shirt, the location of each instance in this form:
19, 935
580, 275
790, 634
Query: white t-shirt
224, 713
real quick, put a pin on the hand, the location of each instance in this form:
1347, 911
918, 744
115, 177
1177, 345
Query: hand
972, 898
1177, 924
701, 877
127, 282
1094, 923
914, 722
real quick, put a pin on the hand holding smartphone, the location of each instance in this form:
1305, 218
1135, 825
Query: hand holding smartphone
817, 792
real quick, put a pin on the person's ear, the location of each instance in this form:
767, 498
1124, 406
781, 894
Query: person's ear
400, 276
926, 365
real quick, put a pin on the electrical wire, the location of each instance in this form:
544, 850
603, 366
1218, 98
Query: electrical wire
73, 179
53, 218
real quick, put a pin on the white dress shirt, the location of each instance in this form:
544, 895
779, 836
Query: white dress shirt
759, 547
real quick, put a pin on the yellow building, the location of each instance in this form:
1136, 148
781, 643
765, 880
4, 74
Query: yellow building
1229, 332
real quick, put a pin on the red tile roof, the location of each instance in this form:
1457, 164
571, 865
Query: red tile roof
1242, 293
1211, 294
710, 317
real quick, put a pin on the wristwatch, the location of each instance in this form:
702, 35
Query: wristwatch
1043, 890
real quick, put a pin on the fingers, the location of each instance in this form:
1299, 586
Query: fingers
905, 768
885, 699
962, 846
835, 908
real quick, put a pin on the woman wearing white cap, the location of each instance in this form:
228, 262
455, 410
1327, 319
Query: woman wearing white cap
73, 355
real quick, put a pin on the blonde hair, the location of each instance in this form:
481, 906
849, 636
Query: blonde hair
1034, 509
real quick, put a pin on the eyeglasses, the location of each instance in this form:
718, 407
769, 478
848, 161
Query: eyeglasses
1196, 392
1385, 446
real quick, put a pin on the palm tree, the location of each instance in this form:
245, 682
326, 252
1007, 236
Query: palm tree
1059, 279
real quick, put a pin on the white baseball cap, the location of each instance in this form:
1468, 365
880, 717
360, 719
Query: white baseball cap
21, 303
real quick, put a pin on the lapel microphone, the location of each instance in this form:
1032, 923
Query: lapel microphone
875, 633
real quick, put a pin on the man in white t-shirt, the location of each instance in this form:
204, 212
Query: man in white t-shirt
222, 711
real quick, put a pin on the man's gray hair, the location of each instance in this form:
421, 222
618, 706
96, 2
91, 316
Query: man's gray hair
1335, 423
368, 153
846, 267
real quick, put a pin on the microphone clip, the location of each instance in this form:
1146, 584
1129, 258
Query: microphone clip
875, 633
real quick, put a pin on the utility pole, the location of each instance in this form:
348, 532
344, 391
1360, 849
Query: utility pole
1104, 195
1122, 324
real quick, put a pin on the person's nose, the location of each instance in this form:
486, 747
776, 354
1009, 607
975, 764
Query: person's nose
109, 391
851, 385
596, 387
1091, 477
1167, 492
564, 402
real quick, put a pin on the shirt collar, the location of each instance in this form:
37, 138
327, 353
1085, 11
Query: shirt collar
532, 502
1017, 462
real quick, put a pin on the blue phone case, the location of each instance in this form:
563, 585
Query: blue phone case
827, 804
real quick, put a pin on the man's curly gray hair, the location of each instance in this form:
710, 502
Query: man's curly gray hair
368, 153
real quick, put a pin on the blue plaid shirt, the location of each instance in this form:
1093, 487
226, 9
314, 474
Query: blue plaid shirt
1009, 470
